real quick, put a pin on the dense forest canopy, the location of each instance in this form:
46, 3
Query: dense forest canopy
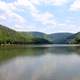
9, 36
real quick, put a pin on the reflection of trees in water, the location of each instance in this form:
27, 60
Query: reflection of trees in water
64, 50
76, 49
8, 53
47, 67
59, 50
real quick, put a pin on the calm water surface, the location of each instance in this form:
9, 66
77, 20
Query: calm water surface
40, 63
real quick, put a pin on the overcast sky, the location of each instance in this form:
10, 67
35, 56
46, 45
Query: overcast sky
48, 16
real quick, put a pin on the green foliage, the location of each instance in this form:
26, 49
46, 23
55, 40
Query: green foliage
59, 38
75, 39
36, 37
9, 36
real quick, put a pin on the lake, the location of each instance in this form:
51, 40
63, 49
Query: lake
40, 63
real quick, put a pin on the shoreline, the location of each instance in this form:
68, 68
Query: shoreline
37, 45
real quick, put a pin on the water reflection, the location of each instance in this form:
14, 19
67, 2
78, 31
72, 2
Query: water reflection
9, 53
57, 63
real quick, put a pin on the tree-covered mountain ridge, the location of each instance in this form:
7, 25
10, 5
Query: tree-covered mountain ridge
9, 36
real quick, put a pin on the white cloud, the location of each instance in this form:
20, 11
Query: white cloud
75, 6
45, 18
8, 13
7, 6
10, 16
53, 2
38, 2
2, 17
25, 27
67, 27
18, 18
11, 19
3, 5
30, 4
59, 2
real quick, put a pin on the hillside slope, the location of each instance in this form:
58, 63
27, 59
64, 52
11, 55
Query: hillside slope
9, 36
59, 38
74, 39
36, 37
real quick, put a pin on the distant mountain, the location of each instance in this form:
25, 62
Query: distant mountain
9, 36
55, 38
74, 39
37, 37
59, 38
35, 34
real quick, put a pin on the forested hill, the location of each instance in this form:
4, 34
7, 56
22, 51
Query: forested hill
59, 38
74, 39
9, 36
55, 38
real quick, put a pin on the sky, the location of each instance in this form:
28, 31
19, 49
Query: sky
49, 16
